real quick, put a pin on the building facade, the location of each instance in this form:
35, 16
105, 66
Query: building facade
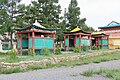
113, 30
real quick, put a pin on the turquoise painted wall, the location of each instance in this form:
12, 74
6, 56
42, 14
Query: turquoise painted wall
41, 43
18, 44
77, 41
99, 42
66, 43
24, 43
104, 42
86, 42
30, 43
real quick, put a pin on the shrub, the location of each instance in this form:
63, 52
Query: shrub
76, 49
1, 53
46, 52
13, 54
98, 48
58, 51
88, 73
31, 52
94, 47
84, 48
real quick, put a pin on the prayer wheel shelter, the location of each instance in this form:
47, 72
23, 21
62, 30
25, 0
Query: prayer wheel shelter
100, 39
76, 37
35, 38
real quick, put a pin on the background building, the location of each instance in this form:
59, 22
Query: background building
113, 30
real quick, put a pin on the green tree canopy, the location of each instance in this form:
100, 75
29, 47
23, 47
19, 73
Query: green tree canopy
73, 17
46, 10
7, 16
73, 14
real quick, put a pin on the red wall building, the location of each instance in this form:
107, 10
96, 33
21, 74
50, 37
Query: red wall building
113, 30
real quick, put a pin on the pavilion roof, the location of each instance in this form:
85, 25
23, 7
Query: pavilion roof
98, 34
77, 30
36, 25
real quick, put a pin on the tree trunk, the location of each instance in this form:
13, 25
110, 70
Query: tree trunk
11, 39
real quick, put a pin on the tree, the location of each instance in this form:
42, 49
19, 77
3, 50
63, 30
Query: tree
46, 10
73, 14
7, 13
73, 17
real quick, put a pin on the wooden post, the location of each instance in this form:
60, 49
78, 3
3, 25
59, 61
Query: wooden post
80, 41
96, 41
89, 37
75, 40
17, 42
101, 42
68, 42
108, 41
33, 36
54, 43
28, 43
64, 42
21, 44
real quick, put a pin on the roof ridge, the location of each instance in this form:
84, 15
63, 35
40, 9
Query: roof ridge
113, 22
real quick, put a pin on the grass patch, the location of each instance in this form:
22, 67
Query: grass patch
9, 71
110, 73
96, 59
88, 73
35, 67
5, 57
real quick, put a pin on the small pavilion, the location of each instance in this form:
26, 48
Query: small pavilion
35, 38
100, 39
76, 37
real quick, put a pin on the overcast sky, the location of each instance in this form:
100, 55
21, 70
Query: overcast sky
97, 12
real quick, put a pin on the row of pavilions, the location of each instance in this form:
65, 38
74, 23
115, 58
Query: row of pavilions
36, 38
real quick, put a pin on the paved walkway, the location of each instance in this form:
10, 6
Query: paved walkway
62, 73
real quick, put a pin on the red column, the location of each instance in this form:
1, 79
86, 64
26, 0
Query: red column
80, 41
21, 44
96, 41
68, 42
108, 41
64, 42
54, 43
75, 40
28, 43
33, 36
101, 42
89, 37
17, 41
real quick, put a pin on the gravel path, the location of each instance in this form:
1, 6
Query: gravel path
62, 73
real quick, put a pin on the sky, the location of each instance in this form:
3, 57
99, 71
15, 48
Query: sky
97, 12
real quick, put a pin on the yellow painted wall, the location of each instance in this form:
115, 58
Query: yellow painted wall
114, 43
